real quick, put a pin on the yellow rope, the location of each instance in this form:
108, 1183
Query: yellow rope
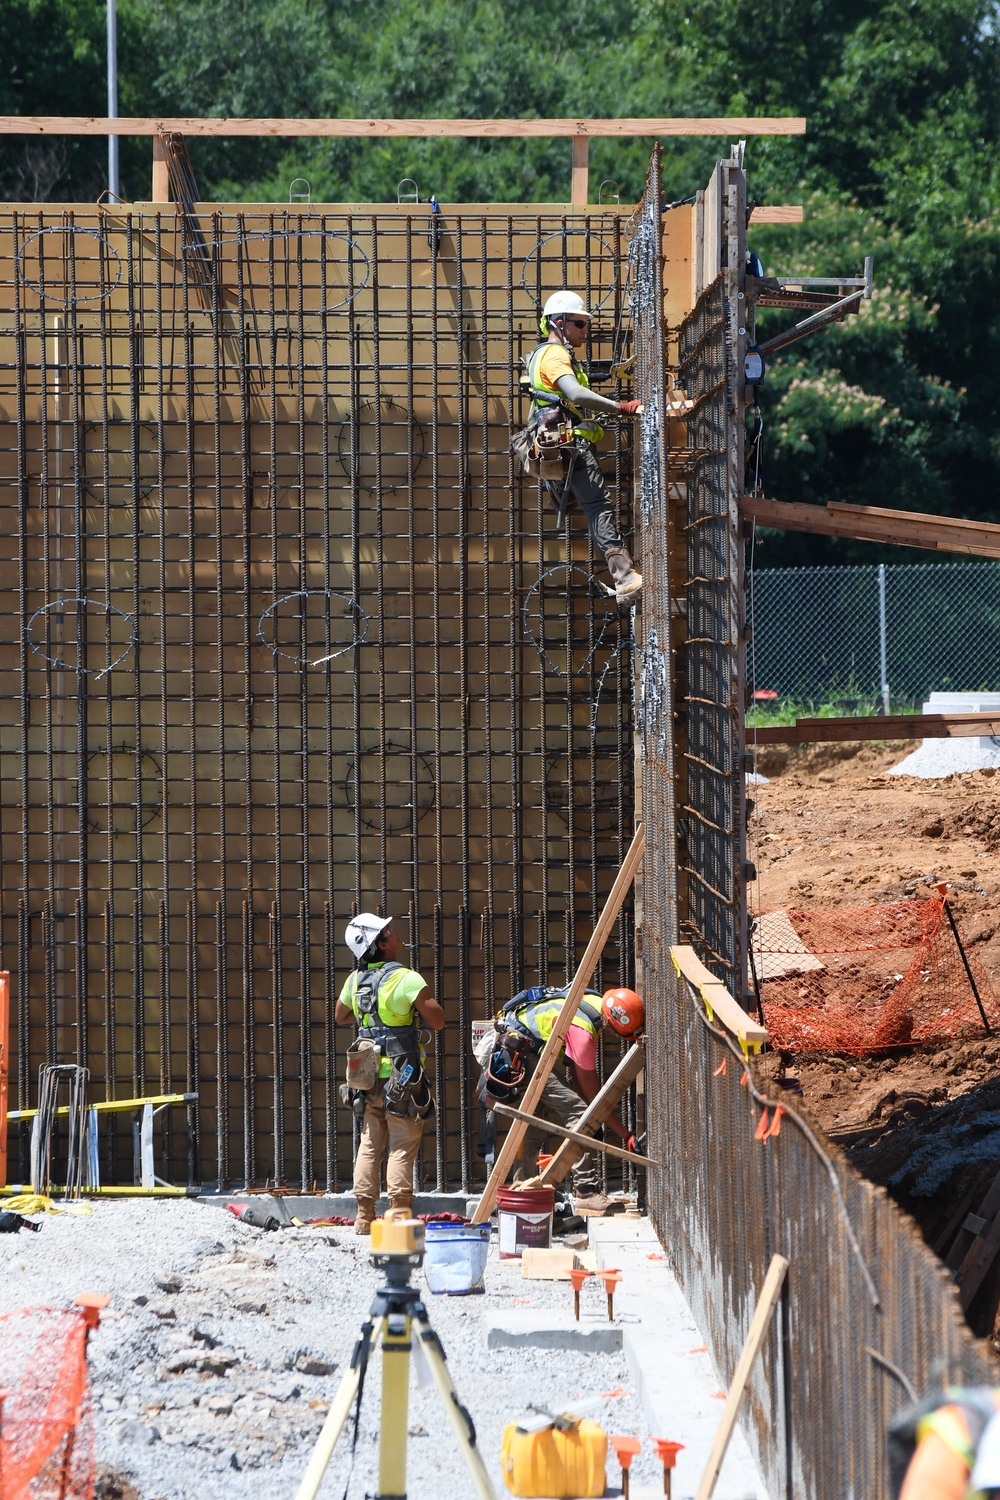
37, 1203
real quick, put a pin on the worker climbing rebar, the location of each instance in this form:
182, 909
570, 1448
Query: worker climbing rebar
558, 443
385, 1078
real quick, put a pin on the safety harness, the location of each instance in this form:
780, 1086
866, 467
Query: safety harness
518, 1038
400, 1044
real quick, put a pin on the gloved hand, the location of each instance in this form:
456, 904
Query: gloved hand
629, 408
630, 1144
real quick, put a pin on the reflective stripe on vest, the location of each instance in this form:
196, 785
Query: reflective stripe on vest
542, 397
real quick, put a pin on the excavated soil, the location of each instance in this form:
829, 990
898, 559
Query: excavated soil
832, 829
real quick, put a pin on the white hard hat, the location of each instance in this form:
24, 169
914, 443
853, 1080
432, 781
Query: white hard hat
562, 303
363, 930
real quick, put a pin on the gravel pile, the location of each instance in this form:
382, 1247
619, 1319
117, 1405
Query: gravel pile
223, 1345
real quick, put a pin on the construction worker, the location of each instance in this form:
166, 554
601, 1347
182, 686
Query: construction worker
533, 1013
952, 1445
562, 429
385, 999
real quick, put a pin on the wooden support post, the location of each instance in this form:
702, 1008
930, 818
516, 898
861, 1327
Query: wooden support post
586, 1141
770, 1292
580, 186
597, 1111
161, 177
4, 1069
554, 1046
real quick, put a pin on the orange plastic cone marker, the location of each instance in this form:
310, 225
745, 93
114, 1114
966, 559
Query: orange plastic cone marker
626, 1447
666, 1452
578, 1276
611, 1280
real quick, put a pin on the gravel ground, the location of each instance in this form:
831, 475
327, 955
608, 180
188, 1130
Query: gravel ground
222, 1346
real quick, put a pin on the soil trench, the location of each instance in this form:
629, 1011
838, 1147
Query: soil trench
830, 829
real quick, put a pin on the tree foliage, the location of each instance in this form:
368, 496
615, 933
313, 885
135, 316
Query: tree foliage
899, 405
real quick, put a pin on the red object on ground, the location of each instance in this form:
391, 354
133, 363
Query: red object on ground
765, 695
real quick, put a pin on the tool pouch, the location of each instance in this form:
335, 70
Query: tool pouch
399, 1086
505, 1073
363, 1057
522, 446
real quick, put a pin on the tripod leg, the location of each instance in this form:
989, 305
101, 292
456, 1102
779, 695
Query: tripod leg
457, 1414
396, 1333
335, 1418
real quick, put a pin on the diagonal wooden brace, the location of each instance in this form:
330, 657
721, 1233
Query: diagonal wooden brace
554, 1046
586, 1142
600, 1107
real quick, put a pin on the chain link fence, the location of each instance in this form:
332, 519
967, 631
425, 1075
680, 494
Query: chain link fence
878, 637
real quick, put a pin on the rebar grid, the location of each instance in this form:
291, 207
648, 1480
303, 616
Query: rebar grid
264, 662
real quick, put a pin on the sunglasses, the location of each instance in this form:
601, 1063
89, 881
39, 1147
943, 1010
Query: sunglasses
577, 322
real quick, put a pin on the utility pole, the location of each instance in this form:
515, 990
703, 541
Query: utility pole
113, 99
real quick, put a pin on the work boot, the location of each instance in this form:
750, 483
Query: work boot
595, 1204
404, 1201
628, 583
366, 1213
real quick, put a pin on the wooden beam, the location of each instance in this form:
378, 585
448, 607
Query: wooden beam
161, 176
141, 125
875, 727
719, 1002
580, 187
554, 1046
769, 1294
597, 1111
573, 1135
776, 213
871, 523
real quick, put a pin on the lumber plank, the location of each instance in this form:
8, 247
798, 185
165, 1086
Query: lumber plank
570, 1135
580, 176
871, 523
231, 126
776, 213
555, 1264
965, 1239
770, 1292
597, 1111
976, 1265
718, 999
553, 1047
875, 727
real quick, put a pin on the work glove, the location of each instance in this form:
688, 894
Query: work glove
630, 1144
629, 408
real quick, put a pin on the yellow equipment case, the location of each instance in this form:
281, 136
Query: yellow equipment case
555, 1464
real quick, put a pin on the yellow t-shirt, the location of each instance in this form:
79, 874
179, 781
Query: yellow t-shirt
552, 365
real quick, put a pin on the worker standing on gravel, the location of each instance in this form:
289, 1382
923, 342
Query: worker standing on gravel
532, 1016
385, 999
558, 442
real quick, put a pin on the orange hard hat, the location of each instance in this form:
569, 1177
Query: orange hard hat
624, 1010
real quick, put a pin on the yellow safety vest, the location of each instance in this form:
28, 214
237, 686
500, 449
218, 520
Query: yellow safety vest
542, 398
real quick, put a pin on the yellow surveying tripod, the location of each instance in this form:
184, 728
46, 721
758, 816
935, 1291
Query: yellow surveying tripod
397, 1315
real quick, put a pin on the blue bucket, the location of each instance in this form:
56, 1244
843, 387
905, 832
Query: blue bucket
455, 1257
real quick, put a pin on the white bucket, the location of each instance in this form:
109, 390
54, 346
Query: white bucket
455, 1257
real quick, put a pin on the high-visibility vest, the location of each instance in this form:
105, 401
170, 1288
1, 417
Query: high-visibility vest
538, 1017
366, 991
542, 398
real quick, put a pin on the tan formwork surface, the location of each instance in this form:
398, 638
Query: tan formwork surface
268, 450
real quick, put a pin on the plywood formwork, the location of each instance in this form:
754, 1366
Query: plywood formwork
285, 635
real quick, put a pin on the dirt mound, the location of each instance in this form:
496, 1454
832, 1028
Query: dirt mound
980, 819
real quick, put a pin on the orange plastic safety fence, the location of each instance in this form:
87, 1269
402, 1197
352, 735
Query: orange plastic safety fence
46, 1425
863, 979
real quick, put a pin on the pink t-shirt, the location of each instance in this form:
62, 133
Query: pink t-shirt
581, 1047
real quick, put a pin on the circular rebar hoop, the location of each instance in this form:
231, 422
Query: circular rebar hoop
71, 300
586, 234
74, 603
361, 622
263, 235
386, 412
141, 822
610, 614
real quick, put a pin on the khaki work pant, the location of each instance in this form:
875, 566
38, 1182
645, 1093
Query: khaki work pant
563, 1105
400, 1135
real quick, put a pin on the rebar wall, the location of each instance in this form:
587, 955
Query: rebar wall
866, 1306
286, 636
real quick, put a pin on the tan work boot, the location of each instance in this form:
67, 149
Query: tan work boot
628, 583
404, 1203
594, 1204
366, 1213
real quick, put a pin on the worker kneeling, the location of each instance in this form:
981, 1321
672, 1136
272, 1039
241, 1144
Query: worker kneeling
521, 1031
386, 1081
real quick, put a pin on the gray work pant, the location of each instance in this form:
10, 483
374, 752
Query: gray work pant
586, 486
564, 1106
